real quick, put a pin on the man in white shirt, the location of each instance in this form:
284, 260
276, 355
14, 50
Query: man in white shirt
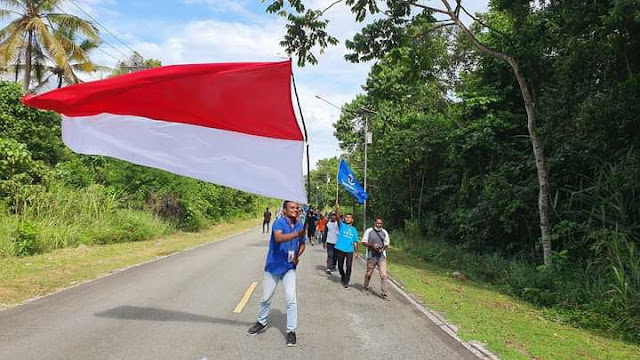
376, 239
331, 239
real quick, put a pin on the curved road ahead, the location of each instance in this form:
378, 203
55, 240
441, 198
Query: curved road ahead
181, 307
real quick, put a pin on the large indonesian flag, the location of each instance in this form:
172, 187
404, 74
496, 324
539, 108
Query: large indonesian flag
231, 124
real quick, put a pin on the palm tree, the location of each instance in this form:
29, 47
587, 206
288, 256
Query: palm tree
77, 61
33, 33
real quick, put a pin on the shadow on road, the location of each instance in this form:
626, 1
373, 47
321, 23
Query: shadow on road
127, 312
264, 244
278, 320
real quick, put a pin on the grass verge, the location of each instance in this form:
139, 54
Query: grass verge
28, 277
510, 328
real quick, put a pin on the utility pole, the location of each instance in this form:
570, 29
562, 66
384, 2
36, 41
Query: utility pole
368, 139
366, 143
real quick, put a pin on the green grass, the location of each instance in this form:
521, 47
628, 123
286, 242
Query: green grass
63, 217
511, 329
22, 278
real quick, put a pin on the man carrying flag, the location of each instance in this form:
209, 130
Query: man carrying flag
285, 248
346, 246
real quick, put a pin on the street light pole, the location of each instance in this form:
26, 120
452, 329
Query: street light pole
366, 142
367, 138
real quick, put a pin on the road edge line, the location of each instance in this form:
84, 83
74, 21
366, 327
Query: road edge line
475, 347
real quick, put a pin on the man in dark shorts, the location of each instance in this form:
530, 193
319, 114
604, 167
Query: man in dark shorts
311, 226
266, 220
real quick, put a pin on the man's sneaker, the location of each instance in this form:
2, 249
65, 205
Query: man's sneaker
256, 329
291, 339
346, 286
328, 271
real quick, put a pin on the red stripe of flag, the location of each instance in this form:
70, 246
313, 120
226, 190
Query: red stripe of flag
250, 98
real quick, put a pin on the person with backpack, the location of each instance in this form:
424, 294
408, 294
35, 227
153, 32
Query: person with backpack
376, 239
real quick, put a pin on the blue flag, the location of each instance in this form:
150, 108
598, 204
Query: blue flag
348, 180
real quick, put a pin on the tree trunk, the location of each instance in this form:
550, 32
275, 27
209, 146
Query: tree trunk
60, 85
424, 173
541, 163
411, 196
27, 62
625, 56
538, 151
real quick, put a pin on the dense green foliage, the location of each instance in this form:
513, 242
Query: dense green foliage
452, 160
52, 198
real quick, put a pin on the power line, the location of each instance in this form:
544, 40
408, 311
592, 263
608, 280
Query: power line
114, 48
104, 27
111, 56
103, 41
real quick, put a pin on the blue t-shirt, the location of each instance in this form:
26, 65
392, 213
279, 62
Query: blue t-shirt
278, 255
347, 235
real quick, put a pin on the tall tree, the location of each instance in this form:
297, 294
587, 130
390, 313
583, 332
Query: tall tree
33, 31
306, 31
77, 61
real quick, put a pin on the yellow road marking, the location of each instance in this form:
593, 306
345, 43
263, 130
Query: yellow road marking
245, 298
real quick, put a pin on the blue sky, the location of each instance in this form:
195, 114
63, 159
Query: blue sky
197, 31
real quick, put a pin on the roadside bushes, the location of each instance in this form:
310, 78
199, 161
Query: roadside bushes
603, 295
42, 220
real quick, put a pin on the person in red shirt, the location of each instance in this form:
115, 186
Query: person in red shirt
322, 223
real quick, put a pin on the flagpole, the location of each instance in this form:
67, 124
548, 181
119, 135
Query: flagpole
306, 136
366, 142
308, 174
337, 181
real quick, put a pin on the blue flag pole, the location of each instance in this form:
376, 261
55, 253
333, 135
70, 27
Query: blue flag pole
337, 181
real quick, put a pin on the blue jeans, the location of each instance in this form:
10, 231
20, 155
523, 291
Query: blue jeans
269, 288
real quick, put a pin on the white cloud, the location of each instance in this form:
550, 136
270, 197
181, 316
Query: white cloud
213, 41
238, 7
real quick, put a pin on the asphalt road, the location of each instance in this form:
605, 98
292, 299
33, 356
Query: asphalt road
181, 307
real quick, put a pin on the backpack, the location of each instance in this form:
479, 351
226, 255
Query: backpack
378, 253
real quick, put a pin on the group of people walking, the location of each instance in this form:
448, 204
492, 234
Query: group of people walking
342, 247
340, 238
